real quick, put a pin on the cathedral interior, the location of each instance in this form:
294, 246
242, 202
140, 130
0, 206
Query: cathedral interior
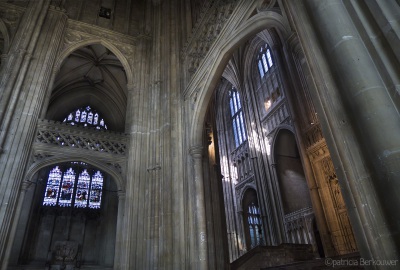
199, 134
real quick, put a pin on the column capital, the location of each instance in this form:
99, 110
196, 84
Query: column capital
121, 194
25, 185
196, 151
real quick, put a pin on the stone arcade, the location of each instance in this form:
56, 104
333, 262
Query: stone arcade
198, 134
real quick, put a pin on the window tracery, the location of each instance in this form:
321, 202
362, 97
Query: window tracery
86, 117
264, 60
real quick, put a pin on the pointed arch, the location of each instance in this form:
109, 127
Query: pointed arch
124, 61
212, 67
6, 36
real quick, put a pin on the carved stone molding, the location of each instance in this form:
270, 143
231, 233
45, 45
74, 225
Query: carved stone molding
212, 19
318, 151
59, 141
278, 116
313, 135
77, 32
265, 4
11, 16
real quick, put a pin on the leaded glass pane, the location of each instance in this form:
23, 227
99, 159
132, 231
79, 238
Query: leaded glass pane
242, 126
83, 117
96, 119
96, 190
239, 105
67, 188
52, 187
77, 115
269, 58
90, 118
264, 60
234, 102
235, 133
260, 68
239, 131
231, 105
82, 189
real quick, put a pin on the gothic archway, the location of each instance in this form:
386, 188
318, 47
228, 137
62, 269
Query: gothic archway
72, 204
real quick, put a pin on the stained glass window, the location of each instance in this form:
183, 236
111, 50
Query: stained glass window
96, 188
74, 184
53, 187
264, 60
239, 130
86, 117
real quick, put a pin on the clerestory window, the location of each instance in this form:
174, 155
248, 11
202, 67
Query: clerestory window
74, 184
264, 60
86, 117
239, 130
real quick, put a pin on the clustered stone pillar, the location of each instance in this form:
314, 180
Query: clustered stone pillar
374, 118
196, 153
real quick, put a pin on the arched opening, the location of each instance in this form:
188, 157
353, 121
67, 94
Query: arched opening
69, 218
90, 76
292, 182
252, 219
257, 67
1, 46
73, 203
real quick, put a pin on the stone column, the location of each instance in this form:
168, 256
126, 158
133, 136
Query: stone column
318, 209
361, 122
119, 236
196, 153
24, 187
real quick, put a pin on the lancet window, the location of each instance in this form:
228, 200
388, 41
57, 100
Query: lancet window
74, 184
239, 130
254, 224
86, 117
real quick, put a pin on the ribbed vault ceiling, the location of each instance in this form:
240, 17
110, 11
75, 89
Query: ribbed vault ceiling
93, 76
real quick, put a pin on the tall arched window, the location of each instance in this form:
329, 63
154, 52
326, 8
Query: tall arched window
239, 130
86, 117
74, 184
252, 219
264, 60
254, 224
